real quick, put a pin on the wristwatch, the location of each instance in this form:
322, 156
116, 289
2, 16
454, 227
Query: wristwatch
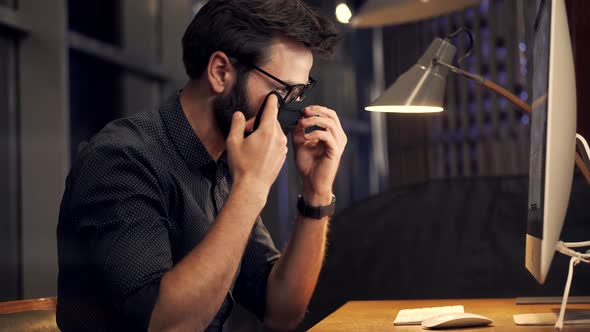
315, 212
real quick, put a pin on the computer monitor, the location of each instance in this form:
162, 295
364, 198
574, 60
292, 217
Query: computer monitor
553, 136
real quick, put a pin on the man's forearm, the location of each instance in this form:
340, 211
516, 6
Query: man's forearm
192, 292
293, 278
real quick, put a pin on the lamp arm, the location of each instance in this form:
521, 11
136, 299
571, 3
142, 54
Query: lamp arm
488, 84
513, 99
583, 168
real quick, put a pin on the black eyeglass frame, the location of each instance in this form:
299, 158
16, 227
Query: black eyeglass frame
295, 92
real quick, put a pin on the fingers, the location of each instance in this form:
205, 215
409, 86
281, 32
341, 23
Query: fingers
315, 110
277, 135
280, 156
238, 126
325, 118
325, 137
271, 111
325, 123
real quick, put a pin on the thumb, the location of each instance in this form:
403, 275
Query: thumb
238, 126
271, 111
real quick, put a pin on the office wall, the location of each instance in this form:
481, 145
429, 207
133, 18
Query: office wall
9, 187
58, 60
43, 110
141, 37
125, 63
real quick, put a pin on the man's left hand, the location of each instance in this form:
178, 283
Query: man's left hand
318, 153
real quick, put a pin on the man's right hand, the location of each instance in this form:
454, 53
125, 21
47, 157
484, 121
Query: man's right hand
255, 161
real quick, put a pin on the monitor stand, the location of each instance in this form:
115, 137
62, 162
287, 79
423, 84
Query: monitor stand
561, 316
571, 317
552, 300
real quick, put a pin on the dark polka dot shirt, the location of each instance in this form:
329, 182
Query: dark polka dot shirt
139, 197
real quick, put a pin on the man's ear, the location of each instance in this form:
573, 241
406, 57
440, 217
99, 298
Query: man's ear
220, 72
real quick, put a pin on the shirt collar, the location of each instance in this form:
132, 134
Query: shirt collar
183, 136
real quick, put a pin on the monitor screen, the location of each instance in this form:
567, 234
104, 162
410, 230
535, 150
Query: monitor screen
540, 85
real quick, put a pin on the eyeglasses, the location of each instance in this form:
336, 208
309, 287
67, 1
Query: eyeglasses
296, 92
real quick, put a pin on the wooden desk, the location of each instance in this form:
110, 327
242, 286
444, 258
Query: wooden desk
379, 315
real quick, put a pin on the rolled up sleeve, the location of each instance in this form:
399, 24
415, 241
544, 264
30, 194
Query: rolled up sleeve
120, 214
257, 262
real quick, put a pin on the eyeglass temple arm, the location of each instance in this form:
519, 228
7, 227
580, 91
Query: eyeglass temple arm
513, 99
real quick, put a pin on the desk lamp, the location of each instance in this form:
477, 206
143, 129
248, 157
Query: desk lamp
421, 89
378, 13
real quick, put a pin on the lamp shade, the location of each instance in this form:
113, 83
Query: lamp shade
377, 13
422, 88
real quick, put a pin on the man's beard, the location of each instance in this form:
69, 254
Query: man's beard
224, 106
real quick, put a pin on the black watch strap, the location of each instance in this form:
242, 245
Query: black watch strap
315, 212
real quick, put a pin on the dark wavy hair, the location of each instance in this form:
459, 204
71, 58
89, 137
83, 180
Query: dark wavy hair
244, 29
